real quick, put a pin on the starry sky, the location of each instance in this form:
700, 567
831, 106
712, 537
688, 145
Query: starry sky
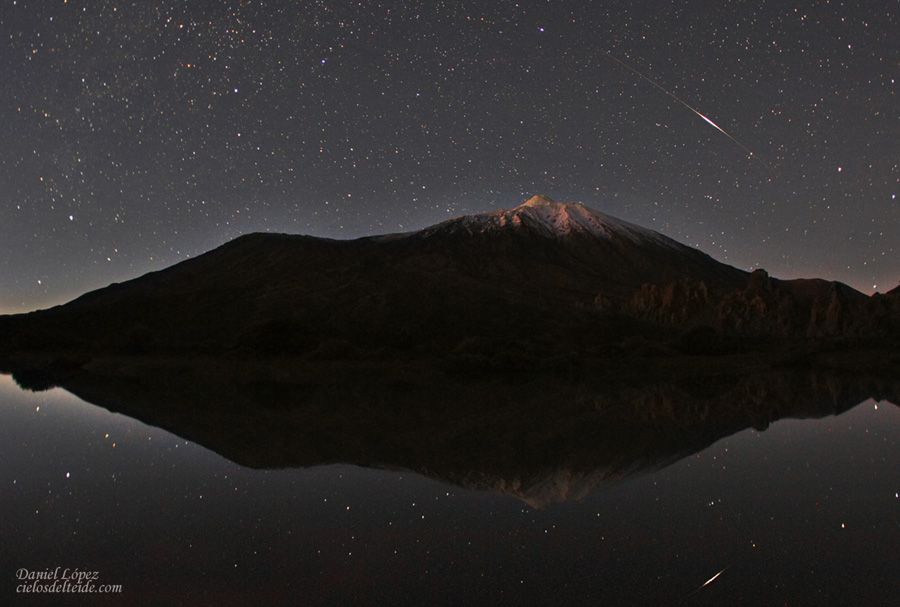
135, 134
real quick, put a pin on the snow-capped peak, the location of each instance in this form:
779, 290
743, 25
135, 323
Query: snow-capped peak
554, 219
538, 200
561, 218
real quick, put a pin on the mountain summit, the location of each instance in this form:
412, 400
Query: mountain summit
543, 214
568, 217
543, 277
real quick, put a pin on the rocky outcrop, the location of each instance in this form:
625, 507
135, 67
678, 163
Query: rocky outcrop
831, 316
763, 308
676, 303
768, 307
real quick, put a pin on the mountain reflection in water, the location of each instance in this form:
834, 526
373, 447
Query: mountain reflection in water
628, 499
542, 440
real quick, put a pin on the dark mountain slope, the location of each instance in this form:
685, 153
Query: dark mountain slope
557, 277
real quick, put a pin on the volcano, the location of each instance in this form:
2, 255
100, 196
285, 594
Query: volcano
547, 277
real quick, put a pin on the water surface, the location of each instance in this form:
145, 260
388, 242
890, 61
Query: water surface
802, 513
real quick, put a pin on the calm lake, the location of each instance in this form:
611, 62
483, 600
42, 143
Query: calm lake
804, 512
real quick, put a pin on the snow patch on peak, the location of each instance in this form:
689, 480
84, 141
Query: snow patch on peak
562, 218
555, 219
538, 201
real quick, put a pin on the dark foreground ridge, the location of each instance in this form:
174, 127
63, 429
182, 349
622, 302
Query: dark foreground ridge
544, 285
542, 439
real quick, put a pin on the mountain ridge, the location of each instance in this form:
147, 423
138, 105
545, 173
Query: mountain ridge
540, 279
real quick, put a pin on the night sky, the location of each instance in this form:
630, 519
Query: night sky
133, 135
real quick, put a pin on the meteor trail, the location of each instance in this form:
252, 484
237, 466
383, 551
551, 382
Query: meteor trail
710, 121
634, 71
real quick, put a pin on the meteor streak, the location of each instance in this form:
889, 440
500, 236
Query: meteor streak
710, 121
634, 71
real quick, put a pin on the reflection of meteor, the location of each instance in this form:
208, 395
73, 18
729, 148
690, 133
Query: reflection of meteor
713, 578
633, 70
707, 583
